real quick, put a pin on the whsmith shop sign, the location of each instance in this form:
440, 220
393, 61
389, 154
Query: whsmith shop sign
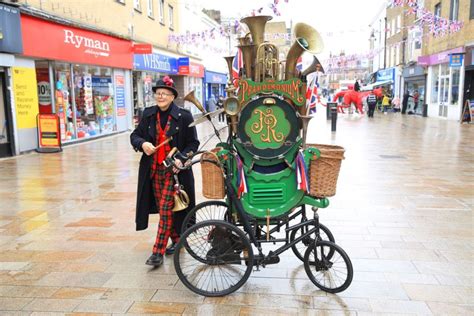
155, 63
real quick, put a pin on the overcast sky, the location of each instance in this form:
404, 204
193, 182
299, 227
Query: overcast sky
347, 20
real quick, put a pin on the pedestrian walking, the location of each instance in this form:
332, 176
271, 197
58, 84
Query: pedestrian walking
406, 96
371, 103
161, 128
211, 103
385, 103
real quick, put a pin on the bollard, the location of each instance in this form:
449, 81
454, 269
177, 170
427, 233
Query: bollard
425, 110
333, 117
329, 105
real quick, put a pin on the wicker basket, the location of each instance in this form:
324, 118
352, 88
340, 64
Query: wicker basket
212, 177
323, 172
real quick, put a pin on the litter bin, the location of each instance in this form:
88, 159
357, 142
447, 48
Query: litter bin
425, 110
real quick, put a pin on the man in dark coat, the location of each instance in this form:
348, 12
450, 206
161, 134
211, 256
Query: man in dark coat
173, 123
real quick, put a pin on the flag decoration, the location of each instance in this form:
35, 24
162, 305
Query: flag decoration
301, 173
241, 181
299, 64
237, 64
312, 97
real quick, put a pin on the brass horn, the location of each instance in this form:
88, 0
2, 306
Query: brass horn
181, 198
248, 57
305, 122
191, 98
267, 63
256, 25
315, 66
229, 60
307, 40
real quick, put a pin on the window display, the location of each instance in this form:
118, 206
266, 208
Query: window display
93, 90
63, 100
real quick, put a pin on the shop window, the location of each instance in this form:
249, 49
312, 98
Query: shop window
94, 100
435, 84
63, 100
455, 85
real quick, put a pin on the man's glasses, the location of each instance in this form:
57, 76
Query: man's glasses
162, 94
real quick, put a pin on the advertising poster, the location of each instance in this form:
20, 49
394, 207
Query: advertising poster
120, 95
88, 102
26, 96
49, 134
44, 90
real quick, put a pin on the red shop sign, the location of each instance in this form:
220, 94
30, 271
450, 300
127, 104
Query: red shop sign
196, 70
60, 42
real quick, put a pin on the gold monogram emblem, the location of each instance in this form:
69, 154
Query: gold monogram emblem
265, 125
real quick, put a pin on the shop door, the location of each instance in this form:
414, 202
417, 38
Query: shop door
443, 97
5, 132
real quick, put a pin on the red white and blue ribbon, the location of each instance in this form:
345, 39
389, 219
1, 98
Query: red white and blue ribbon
301, 173
241, 181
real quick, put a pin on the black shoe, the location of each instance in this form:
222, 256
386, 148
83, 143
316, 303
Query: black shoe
170, 250
155, 260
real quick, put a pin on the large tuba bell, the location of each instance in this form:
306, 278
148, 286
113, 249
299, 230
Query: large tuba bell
256, 25
307, 39
191, 98
181, 198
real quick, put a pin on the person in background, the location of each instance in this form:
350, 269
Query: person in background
385, 103
371, 103
357, 85
161, 128
220, 105
211, 103
406, 96
416, 98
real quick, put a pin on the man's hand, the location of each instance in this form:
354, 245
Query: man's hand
148, 148
179, 164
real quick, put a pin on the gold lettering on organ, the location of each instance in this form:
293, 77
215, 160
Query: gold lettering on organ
266, 126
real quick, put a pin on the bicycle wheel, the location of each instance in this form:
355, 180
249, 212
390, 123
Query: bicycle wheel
300, 248
332, 274
226, 258
206, 211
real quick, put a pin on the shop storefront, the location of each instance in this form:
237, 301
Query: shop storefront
415, 82
444, 95
190, 78
469, 80
10, 44
148, 68
81, 75
214, 84
394, 76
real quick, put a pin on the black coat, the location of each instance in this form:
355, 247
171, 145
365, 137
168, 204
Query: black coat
185, 139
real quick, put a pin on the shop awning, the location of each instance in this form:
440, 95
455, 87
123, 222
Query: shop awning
376, 85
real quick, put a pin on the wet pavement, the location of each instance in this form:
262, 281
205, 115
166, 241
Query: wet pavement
403, 212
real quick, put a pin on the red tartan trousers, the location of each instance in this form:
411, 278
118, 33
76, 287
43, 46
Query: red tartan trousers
163, 188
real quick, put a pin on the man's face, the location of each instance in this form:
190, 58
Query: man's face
163, 98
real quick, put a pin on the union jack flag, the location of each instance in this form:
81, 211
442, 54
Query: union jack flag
299, 64
237, 64
312, 97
